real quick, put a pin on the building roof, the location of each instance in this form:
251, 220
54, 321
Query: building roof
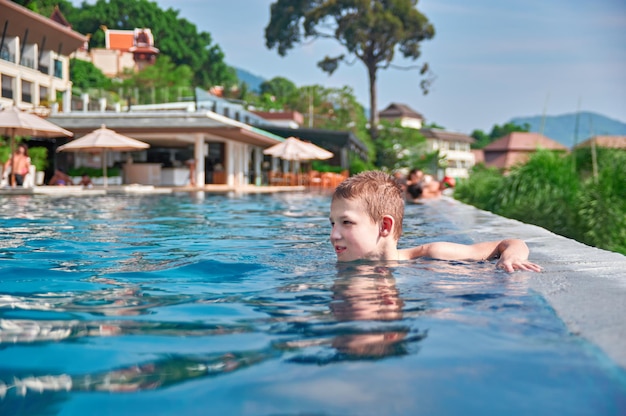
328, 139
522, 141
121, 40
281, 115
169, 129
396, 110
614, 142
447, 136
18, 21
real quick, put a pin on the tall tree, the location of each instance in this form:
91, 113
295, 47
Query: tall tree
372, 31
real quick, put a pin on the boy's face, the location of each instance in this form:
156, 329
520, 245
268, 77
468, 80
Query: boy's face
354, 235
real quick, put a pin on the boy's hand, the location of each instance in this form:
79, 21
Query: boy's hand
512, 264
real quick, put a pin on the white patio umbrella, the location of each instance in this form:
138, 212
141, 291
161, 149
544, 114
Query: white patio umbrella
293, 148
14, 122
102, 140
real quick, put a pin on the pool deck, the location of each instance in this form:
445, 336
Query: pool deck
586, 286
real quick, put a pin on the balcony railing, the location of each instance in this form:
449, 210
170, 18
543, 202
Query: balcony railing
7, 56
27, 62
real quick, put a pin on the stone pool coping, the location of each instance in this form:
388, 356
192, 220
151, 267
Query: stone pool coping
586, 286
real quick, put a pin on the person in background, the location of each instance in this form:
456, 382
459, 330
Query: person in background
60, 179
191, 164
17, 167
366, 215
86, 181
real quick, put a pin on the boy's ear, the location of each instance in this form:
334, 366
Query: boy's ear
386, 226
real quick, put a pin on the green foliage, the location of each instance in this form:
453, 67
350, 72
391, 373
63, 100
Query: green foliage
39, 157
497, 132
371, 31
175, 37
481, 189
86, 75
548, 192
5, 153
279, 90
93, 172
542, 191
602, 203
398, 147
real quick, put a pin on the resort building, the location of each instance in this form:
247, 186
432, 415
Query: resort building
612, 142
34, 58
515, 148
455, 147
125, 50
221, 138
407, 117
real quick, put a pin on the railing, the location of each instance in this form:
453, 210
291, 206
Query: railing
7, 56
27, 62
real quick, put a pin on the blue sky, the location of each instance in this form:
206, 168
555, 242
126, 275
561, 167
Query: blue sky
494, 60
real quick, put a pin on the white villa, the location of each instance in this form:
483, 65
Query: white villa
454, 146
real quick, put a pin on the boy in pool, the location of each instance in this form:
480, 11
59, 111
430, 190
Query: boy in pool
366, 215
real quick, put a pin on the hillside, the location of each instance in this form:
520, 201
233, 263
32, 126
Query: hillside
562, 128
253, 81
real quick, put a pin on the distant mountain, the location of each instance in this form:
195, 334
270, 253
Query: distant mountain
253, 81
563, 128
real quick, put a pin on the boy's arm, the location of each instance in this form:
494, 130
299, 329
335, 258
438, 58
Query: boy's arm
512, 253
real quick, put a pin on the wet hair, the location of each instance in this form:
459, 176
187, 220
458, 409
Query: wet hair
380, 194
415, 190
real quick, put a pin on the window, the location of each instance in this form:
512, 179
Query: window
43, 95
7, 86
58, 68
27, 93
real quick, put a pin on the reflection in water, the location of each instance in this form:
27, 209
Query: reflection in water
368, 312
146, 376
365, 322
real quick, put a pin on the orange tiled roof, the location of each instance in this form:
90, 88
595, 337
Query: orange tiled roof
121, 40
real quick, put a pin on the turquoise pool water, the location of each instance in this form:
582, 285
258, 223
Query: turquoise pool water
197, 304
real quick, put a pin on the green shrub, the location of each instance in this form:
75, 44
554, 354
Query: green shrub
93, 172
39, 157
560, 193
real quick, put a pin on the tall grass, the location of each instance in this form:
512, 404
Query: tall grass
560, 193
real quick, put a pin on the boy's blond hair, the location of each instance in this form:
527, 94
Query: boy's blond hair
380, 194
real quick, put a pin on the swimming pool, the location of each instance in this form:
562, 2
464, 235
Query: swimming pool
202, 304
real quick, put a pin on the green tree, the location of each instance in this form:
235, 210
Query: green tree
279, 90
158, 83
372, 31
398, 147
174, 37
86, 75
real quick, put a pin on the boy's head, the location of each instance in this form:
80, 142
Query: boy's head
380, 195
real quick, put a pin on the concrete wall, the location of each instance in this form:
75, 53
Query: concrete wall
586, 286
